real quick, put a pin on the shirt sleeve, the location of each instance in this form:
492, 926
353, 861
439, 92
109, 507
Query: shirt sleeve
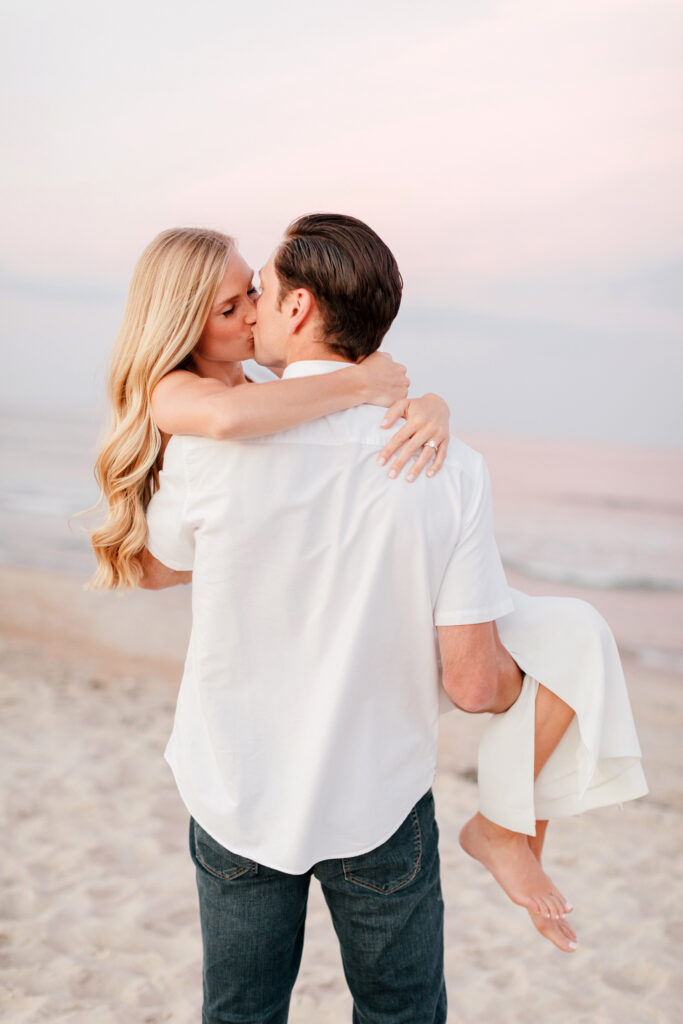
170, 537
474, 588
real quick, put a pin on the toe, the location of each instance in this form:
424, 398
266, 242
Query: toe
557, 904
535, 907
562, 903
557, 935
548, 906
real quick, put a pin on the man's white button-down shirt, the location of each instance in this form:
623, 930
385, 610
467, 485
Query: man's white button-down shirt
307, 718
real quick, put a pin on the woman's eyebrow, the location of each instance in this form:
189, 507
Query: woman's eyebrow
233, 298
226, 302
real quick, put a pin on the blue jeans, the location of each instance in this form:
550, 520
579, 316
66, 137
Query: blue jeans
386, 908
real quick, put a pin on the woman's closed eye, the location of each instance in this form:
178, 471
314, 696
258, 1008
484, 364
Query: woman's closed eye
252, 292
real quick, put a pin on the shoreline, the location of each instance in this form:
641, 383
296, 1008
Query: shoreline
644, 623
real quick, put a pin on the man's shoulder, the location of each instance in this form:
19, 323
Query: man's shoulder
463, 459
360, 425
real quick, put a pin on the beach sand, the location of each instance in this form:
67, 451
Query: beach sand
99, 915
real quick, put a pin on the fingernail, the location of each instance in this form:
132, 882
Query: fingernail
410, 478
392, 473
381, 461
573, 945
430, 472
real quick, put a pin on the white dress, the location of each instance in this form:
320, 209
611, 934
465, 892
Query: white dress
566, 645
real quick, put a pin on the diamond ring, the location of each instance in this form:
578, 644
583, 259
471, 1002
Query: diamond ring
431, 444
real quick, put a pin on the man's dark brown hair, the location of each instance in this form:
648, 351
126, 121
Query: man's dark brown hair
352, 275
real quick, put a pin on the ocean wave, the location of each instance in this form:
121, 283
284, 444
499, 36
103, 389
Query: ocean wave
61, 503
594, 577
652, 657
621, 504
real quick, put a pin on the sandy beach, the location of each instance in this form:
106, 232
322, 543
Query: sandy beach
99, 916
99, 919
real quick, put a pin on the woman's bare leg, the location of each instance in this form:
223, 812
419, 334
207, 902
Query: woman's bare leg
536, 842
509, 856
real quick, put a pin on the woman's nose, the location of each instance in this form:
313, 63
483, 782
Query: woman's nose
250, 316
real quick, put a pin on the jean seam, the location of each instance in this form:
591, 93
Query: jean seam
404, 881
226, 876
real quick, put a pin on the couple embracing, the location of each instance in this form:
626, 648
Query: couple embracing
337, 610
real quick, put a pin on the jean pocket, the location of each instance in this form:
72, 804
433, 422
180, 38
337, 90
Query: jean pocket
392, 865
216, 859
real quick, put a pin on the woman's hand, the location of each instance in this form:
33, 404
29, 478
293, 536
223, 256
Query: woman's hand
427, 419
385, 381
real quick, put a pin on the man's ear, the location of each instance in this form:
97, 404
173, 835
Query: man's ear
301, 306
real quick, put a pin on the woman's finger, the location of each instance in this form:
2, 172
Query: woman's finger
393, 444
412, 446
423, 459
394, 412
440, 458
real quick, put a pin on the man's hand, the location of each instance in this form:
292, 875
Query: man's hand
478, 672
157, 576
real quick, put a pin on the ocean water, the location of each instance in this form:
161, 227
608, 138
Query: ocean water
600, 521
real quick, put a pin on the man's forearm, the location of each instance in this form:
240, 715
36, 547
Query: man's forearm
479, 674
510, 678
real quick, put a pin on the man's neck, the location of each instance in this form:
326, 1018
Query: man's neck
305, 351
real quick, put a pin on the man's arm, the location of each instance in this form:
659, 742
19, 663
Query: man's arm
156, 575
478, 672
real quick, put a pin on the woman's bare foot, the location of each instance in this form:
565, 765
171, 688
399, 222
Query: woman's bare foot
556, 931
509, 859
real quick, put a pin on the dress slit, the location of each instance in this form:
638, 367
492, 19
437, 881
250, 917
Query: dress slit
566, 645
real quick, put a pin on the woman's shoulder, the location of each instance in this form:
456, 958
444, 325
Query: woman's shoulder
173, 378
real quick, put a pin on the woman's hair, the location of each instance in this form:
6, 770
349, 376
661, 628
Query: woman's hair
173, 287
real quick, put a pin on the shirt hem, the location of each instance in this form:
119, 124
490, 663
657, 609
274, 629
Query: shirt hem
250, 854
473, 615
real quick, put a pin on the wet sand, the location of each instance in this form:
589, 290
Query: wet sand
99, 917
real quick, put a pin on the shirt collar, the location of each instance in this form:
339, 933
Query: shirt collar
313, 367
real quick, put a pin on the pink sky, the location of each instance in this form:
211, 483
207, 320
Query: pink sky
522, 158
486, 141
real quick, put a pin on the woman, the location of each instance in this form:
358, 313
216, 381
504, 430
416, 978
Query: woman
566, 744
177, 368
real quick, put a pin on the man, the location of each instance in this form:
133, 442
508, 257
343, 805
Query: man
305, 736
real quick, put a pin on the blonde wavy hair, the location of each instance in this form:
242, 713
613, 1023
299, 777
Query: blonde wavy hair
173, 288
